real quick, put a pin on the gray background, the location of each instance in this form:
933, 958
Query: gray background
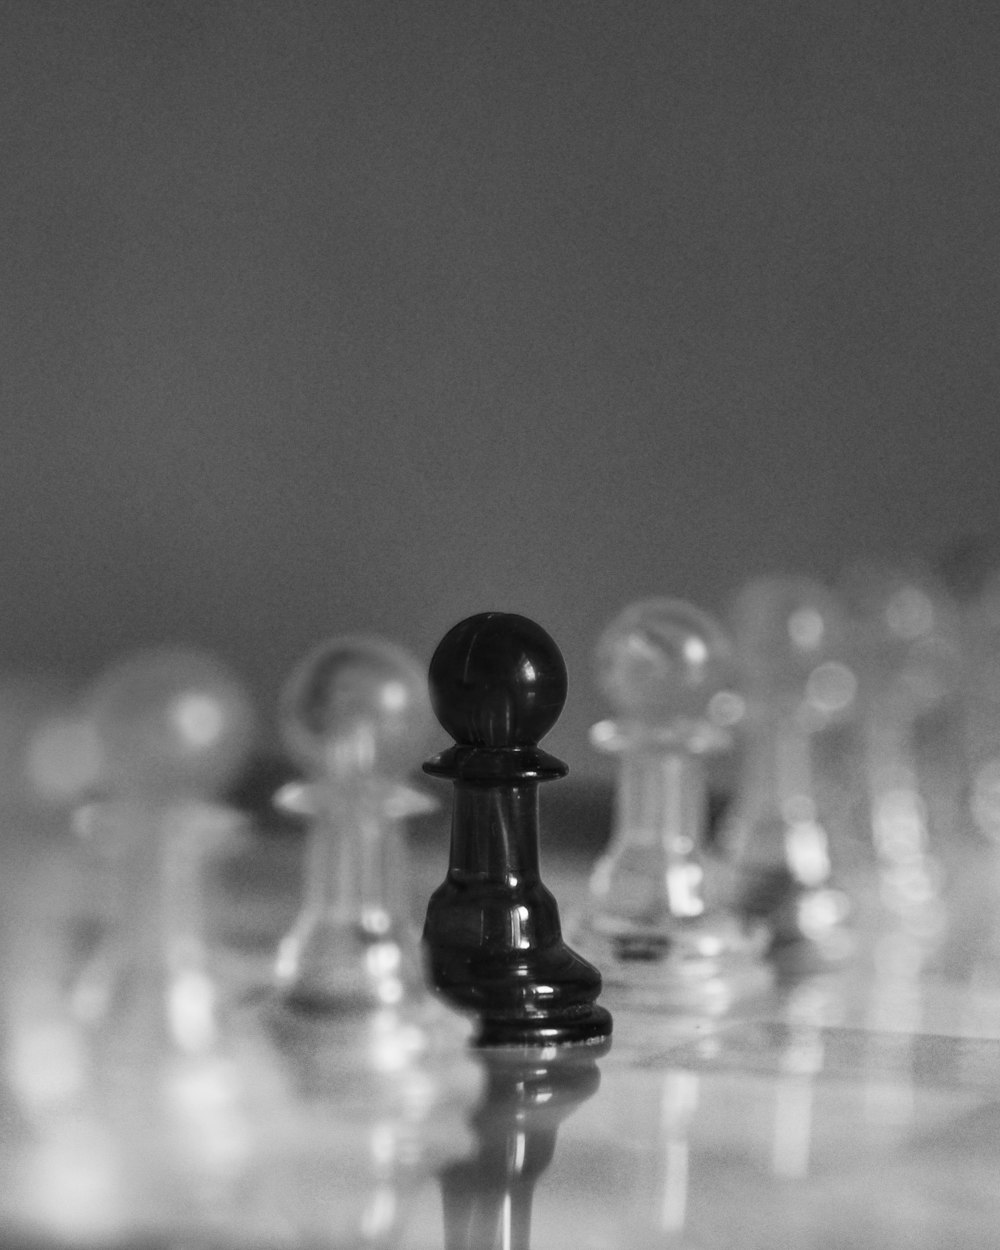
324, 317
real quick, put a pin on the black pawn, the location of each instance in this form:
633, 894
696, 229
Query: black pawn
493, 936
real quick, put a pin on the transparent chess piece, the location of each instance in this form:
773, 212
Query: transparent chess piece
171, 728
180, 1099
789, 634
974, 868
667, 669
38, 896
354, 716
906, 648
980, 676
382, 1071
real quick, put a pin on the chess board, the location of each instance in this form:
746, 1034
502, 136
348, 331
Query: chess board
835, 1111
220, 1028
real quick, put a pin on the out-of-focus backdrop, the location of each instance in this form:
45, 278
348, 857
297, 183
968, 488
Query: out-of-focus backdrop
365, 316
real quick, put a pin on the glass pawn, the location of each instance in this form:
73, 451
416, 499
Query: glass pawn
789, 634
906, 644
382, 1071
171, 728
180, 1105
974, 929
354, 715
667, 669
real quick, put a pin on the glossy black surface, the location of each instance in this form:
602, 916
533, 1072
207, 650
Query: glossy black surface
487, 1197
492, 930
497, 680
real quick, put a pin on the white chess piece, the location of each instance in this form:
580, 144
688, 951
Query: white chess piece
789, 637
649, 925
354, 716
382, 1067
180, 1098
172, 727
905, 638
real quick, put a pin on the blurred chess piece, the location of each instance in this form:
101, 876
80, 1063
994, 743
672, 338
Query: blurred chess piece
41, 1062
905, 645
179, 1102
967, 563
979, 885
492, 930
668, 671
981, 707
974, 874
382, 1073
172, 727
488, 1196
47, 756
789, 637
46, 762
930, 908
354, 716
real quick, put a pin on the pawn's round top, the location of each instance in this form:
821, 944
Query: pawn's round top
664, 660
785, 625
497, 680
900, 606
169, 720
905, 630
355, 704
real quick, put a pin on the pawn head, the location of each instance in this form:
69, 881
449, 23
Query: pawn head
905, 629
898, 606
497, 680
787, 624
791, 636
355, 705
169, 720
663, 662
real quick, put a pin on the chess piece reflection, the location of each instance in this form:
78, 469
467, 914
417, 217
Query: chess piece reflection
492, 931
488, 1197
375, 1114
667, 668
981, 707
807, 1009
788, 635
678, 1104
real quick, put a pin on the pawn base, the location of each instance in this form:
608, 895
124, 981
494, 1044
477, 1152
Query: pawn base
588, 1026
808, 924
702, 965
544, 997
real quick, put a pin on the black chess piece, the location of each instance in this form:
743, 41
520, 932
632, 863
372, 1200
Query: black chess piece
492, 932
488, 1196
